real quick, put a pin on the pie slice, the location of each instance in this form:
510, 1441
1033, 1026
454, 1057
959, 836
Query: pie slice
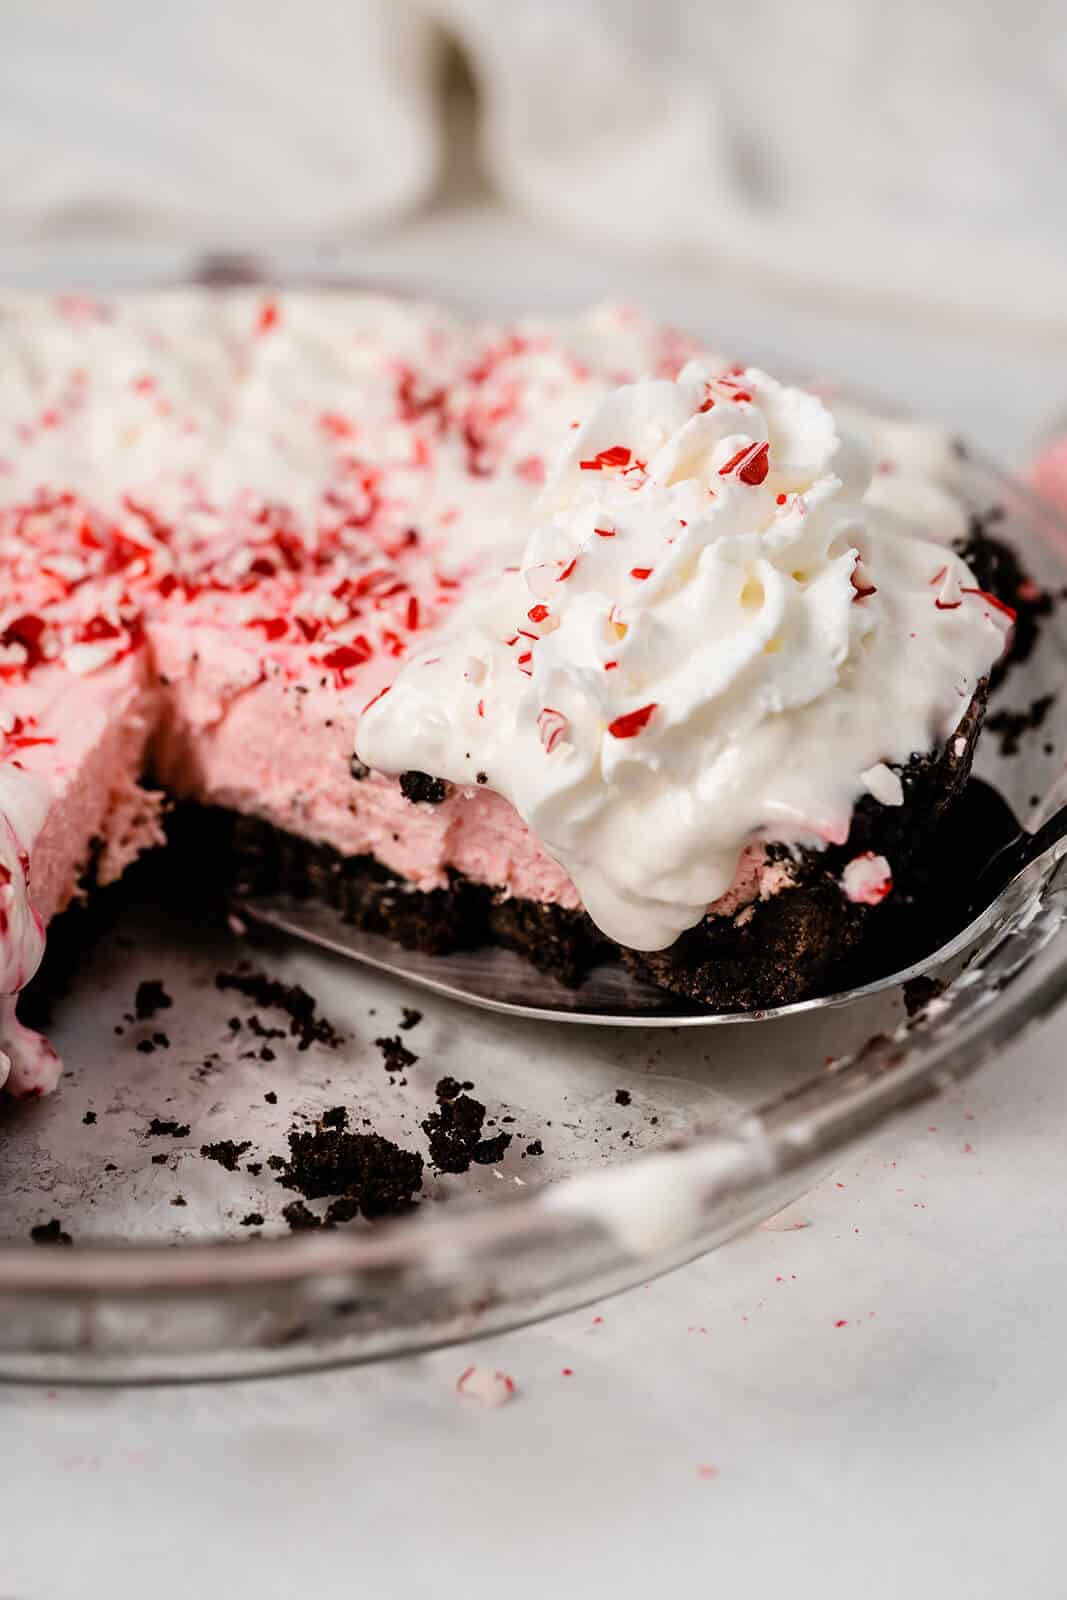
563, 634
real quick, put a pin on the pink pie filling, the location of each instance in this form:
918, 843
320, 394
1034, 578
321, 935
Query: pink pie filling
194, 709
282, 751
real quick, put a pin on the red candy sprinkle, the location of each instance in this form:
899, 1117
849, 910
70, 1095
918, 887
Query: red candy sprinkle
552, 726
641, 573
781, 499
26, 631
616, 456
752, 463
268, 316
374, 699
631, 722
537, 613
374, 580
411, 614
273, 628
100, 628
345, 656
27, 743
992, 600
568, 569
604, 533
332, 422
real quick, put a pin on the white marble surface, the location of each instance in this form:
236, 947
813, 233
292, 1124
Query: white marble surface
880, 1393
917, 1449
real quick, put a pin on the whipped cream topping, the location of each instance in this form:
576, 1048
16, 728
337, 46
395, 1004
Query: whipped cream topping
916, 478
711, 635
28, 1064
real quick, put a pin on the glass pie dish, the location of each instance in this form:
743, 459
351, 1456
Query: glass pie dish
610, 1154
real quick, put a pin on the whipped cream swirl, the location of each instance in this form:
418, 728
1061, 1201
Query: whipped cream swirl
710, 640
28, 1064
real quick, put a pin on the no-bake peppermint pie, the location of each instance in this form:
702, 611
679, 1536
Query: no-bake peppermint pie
561, 634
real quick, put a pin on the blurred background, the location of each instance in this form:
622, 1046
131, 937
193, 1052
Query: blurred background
872, 190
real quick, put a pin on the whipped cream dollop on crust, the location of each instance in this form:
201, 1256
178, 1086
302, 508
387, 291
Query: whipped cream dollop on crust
710, 636
28, 1064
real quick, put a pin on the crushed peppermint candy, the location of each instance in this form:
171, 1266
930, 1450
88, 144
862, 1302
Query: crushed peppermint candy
867, 879
751, 463
553, 728
341, 574
631, 722
491, 1389
617, 456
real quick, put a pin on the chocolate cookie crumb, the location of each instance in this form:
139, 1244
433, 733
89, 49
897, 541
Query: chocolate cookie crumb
419, 786
409, 1018
261, 1030
276, 1163
227, 1152
357, 770
343, 1210
50, 1233
89, 1118
161, 1040
179, 1200
534, 1148
300, 1217
254, 1167
174, 1130
454, 1131
481, 777
271, 1098
150, 998
304, 1022
336, 1117
160, 1160
373, 1172
395, 1056
623, 1097
918, 992
146, 1047
1009, 726
252, 1220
